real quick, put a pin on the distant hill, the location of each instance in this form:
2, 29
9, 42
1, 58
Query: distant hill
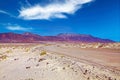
30, 37
82, 38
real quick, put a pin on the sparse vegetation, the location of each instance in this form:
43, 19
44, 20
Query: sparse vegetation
27, 49
3, 57
47, 44
9, 51
47, 63
43, 53
62, 56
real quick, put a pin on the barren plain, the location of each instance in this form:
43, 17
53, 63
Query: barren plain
59, 61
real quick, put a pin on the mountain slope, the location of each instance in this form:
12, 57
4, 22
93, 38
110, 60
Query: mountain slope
82, 38
29, 37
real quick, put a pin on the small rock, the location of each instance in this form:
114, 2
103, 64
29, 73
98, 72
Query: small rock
28, 67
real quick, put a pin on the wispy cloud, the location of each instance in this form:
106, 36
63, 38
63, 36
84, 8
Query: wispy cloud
28, 3
7, 13
18, 28
53, 10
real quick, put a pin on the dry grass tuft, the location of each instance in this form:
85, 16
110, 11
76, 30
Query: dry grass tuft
9, 51
43, 53
3, 57
62, 56
27, 49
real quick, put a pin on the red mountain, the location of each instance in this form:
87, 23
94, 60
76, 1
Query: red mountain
82, 38
29, 37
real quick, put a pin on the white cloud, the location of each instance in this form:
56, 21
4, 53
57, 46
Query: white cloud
52, 10
18, 28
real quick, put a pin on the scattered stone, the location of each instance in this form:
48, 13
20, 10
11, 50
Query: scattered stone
41, 59
37, 65
109, 78
28, 67
47, 63
85, 72
16, 59
29, 79
63, 68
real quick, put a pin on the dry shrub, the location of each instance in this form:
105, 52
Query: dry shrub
3, 57
9, 51
43, 53
27, 49
62, 56
47, 44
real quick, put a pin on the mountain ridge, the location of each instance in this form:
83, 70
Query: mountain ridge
30, 37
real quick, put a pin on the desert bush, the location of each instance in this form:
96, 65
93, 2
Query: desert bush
62, 56
43, 53
9, 51
27, 49
47, 44
3, 57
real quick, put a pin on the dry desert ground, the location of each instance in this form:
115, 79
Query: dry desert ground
59, 61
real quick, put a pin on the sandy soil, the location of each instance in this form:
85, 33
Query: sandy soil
52, 61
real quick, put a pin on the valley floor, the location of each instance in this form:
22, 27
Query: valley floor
57, 61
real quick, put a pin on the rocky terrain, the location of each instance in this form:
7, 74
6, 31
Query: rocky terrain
54, 61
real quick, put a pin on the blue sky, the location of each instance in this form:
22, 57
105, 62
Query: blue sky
99, 18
